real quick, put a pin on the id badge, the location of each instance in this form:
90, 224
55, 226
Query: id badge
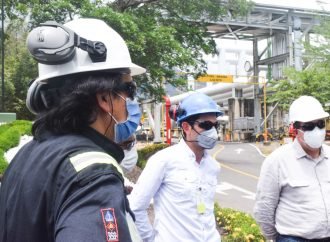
201, 208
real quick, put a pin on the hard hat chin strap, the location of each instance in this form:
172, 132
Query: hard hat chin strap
184, 134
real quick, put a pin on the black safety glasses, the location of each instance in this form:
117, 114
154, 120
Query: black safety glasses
309, 126
128, 87
207, 125
128, 144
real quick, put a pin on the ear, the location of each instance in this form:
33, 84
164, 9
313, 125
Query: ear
104, 102
186, 127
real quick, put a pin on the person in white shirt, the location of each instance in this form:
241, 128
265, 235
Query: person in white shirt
131, 154
182, 179
293, 193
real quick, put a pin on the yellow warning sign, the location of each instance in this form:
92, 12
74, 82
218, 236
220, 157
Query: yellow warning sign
216, 78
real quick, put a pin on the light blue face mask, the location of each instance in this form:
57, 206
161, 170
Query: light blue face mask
123, 130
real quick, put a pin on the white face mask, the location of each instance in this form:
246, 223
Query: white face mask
130, 159
314, 138
208, 138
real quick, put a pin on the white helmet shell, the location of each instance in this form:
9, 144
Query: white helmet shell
306, 109
95, 30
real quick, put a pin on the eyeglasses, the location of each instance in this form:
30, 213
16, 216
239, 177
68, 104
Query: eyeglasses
207, 125
309, 126
128, 87
128, 144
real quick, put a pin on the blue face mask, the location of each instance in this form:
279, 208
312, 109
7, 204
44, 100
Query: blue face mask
123, 130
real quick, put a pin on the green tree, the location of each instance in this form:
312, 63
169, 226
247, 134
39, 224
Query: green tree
163, 35
314, 82
20, 69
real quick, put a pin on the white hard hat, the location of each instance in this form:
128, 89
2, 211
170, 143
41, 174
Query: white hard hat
58, 38
305, 109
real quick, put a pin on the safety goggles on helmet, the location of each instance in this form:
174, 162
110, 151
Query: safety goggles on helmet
207, 125
309, 126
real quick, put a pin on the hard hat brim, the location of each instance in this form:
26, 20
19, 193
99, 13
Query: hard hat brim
135, 70
304, 120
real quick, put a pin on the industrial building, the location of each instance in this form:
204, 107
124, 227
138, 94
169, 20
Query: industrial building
252, 51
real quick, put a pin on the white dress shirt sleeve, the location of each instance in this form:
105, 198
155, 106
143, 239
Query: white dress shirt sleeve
267, 197
147, 185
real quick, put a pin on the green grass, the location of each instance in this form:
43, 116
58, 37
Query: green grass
10, 134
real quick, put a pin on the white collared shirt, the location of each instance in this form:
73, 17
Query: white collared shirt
293, 194
183, 195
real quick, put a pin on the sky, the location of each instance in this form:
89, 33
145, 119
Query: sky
305, 4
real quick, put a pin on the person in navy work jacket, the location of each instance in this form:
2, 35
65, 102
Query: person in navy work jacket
66, 184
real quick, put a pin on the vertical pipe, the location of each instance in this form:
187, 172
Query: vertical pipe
265, 113
162, 123
269, 54
157, 122
168, 119
297, 43
289, 34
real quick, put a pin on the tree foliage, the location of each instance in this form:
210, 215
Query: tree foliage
164, 36
313, 82
20, 69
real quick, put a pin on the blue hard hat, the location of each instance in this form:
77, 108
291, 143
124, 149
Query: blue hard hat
196, 103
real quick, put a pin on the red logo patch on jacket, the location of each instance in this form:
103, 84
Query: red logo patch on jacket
110, 224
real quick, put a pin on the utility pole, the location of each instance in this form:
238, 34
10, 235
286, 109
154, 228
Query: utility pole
2, 56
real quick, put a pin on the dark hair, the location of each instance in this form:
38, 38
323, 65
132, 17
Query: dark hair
190, 120
75, 107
